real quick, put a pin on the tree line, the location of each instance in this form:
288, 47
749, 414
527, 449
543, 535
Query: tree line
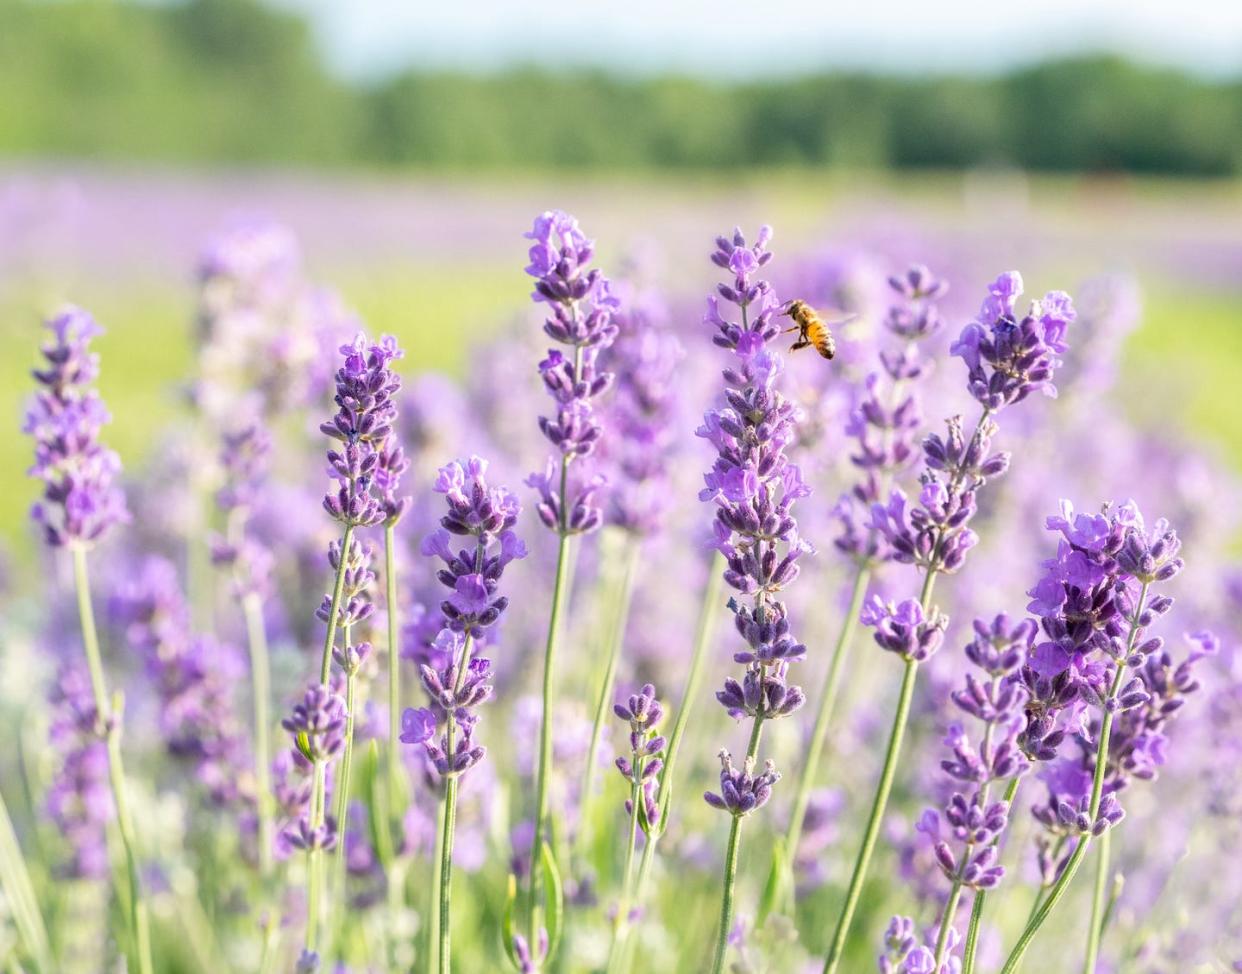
211, 81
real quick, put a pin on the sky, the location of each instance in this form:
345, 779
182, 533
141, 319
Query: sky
371, 38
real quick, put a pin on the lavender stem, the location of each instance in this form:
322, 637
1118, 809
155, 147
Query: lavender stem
622, 599
1095, 930
329, 641
819, 733
342, 786
260, 677
448, 823
704, 631
394, 679
730, 875
976, 909
1097, 793
109, 722
880, 803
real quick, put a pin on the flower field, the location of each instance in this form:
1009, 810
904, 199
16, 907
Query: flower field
417, 576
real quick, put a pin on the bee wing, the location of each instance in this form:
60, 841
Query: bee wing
835, 316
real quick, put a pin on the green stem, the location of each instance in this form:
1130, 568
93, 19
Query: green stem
260, 678
730, 873
709, 612
435, 922
827, 707
880, 803
620, 926
343, 782
1095, 930
109, 723
560, 593
18, 890
1097, 794
603, 703
448, 824
314, 872
329, 640
976, 909
394, 677
946, 920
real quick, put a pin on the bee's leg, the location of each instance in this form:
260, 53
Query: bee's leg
800, 343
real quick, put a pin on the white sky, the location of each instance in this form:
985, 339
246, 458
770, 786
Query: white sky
707, 37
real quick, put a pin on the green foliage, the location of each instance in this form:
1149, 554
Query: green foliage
234, 80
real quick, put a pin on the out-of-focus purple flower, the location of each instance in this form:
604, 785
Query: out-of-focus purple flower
366, 389
79, 798
581, 312
646, 358
244, 458
80, 498
905, 954
886, 418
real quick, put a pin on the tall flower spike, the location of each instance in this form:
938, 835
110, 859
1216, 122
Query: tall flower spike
753, 487
80, 498
363, 467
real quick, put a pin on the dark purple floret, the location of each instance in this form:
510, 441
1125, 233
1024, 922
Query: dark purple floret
904, 628
80, 498
643, 713
366, 391
741, 790
318, 724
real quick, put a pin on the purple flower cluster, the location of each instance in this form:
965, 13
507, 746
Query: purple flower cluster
973, 822
456, 679
1095, 602
355, 605
368, 466
79, 799
741, 790
1008, 359
753, 486
194, 678
904, 954
1005, 362
317, 725
581, 309
904, 628
884, 423
646, 358
80, 499
245, 457
642, 711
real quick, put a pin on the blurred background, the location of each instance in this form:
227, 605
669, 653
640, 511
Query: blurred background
407, 145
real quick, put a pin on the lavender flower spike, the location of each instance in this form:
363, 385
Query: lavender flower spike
484, 516
753, 487
80, 503
580, 319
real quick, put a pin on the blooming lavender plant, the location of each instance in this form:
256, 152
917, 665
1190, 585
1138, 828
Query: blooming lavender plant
753, 486
580, 317
1097, 669
472, 574
1006, 359
80, 503
883, 426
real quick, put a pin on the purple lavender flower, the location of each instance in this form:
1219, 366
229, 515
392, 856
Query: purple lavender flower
754, 485
1008, 359
581, 308
355, 604
741, 790
904, 628
642, 711
79, 799
456, 679
80, 499
244, 458
884, 422
363, 468
317, 724
646, 358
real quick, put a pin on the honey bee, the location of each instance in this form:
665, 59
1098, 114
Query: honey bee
812, 331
